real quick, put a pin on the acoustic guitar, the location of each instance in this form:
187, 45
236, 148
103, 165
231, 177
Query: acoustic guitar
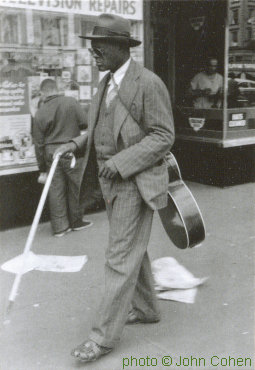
181, 218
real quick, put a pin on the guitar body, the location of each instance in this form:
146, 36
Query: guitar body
181, 218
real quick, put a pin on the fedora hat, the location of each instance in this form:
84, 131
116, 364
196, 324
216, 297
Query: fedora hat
112, 27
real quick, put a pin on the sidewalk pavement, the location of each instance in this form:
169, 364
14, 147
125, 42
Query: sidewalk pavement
53, 312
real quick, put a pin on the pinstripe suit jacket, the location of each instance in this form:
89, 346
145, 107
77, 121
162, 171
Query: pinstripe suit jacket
141, 138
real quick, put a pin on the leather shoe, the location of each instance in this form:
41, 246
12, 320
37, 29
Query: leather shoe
89, 351
134, 317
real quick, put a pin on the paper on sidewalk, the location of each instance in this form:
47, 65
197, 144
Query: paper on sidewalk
44, 263
174, 281
179, 295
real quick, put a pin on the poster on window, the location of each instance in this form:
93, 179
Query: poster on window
85, 92
50, 34
16, 147
83, 57
68, 60
84, 74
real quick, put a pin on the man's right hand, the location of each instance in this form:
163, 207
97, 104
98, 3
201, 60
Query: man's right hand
64, 149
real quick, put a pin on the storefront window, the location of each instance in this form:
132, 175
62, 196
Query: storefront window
40, 40
241, 54
205, 53
200, 55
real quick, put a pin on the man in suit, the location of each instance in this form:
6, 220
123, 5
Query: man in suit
130, 130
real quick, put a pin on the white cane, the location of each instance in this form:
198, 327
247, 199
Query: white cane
33, 229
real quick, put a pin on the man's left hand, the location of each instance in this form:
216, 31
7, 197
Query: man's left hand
108, 170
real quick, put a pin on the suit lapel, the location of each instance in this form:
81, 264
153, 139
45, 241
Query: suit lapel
95, 108
96, 102
127, 92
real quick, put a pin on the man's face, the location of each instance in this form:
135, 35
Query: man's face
106, 55
212, 66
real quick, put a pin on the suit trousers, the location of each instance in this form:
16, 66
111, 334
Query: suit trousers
128, 276
65, 208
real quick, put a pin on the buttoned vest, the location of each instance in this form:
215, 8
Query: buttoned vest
103, 135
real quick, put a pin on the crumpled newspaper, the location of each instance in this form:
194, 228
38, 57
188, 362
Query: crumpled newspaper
173, 281
24, 263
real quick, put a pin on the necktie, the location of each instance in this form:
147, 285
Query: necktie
112, 91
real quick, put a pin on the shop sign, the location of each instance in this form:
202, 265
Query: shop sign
237, 120
238, 123
132, 9
196, 123
237, 116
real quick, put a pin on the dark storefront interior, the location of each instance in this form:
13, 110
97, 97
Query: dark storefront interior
176, 39
185, 34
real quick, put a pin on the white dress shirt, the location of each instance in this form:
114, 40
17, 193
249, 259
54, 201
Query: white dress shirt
118, 75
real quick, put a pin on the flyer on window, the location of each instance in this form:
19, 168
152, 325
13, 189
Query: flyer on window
85, 92
84, 74
83, 57
16, 147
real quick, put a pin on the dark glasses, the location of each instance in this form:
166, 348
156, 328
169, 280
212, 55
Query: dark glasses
95, 52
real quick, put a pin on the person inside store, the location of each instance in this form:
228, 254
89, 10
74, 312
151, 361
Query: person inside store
206, 87
57, 121
130, 129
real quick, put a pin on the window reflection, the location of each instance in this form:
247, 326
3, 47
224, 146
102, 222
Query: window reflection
233, 91
241, 62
